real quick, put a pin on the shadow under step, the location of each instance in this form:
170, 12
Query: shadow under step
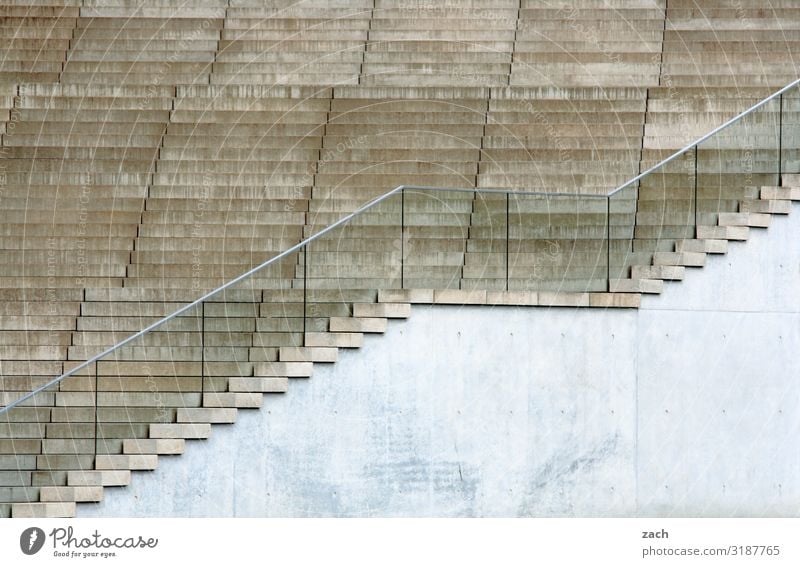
71, 494
755, 220
636, 285
43, 510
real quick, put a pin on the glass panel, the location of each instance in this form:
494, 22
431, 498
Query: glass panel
651, 216
348, 265
436, 226
623, 251
231, 325
24, 449
790, 132
278, 310
171, 383
735, 163
557, 243
142, 399
486, 258
141, 386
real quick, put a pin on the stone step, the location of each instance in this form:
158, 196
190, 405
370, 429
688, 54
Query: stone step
459, 297
207, 415
43, 510
773, 207
180, 430
791, 180
244, 400
340, 340
153, 446
358, 324
423, 296
636, 286
99, 478
384, 309
695, 259
564, 299
791, 193
723, 232
660, 272
308, 354
258, 384
139, 462
709, 246
63, 462
287, 369
71, 494
758, 220
512, 298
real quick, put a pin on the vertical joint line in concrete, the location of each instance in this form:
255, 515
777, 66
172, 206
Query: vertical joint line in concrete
366, 43
644, 126
696, 150
203, 354
483, 135
402, 237
663, 38
58, 386
508, 237
96, 406
780, 141
71, 43
514, 43
160, 147
219, 40
319, 150
608, 243
475, 195
641, 157
305, 290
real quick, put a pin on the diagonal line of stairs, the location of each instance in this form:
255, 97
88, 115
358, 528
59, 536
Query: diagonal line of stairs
275, 377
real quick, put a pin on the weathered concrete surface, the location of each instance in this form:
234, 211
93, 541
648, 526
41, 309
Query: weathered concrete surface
688, 407
718, 389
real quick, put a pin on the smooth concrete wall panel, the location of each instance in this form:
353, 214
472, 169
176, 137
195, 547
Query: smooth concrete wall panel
378, 434
718, 414
761, 274
686, 407
718, 384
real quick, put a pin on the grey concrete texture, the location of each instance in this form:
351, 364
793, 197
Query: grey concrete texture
685, 407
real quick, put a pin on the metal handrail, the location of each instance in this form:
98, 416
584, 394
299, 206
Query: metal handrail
347, 218
702, 139
200, 300
300, 245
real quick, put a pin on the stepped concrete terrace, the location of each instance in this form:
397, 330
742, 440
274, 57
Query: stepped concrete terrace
152, 153
684, 407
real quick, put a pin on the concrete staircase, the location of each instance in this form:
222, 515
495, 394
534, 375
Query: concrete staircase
737, 45
36, 39
150, 154
129, 43
588, 44
147, 408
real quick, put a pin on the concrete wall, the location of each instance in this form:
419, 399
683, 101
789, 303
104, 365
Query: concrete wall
687, 407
